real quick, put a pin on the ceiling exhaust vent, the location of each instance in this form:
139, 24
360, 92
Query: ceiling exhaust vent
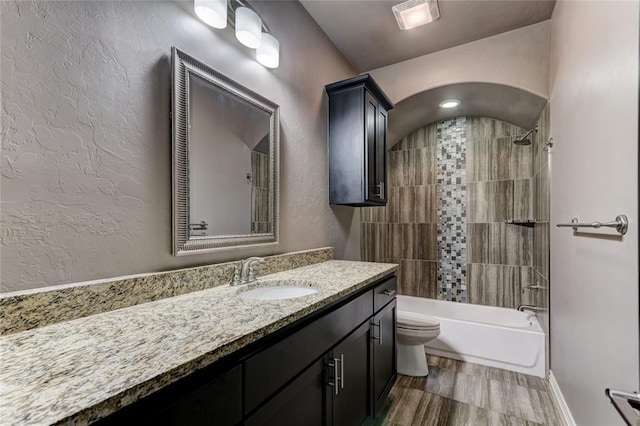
414, 13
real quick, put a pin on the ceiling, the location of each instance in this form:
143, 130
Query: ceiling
498, 101
368, 36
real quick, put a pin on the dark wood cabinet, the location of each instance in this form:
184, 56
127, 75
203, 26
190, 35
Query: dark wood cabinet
384, 354
357, 142
212, 396
271, 368
349, 377
332, 367
299, 403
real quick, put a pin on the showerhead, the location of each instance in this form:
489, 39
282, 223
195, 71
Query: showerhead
524, 140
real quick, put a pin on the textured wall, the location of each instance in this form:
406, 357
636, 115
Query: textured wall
86, 160
518, 58
594, 163
453, 184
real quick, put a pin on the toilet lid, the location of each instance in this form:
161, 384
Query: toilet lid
415, 320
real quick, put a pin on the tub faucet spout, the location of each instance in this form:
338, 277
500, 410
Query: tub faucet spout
522, 308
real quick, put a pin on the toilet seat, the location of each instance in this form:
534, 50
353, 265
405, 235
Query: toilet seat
415, 321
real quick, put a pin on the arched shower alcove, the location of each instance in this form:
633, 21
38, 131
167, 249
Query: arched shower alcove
467, 217
477, 99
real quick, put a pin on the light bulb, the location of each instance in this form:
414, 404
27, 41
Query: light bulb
212, 12
268, 54
248, 27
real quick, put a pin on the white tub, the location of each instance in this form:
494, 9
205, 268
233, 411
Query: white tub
497, 337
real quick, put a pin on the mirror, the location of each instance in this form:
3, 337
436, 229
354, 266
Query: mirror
225, 161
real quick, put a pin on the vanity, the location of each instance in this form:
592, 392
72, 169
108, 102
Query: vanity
334, 366
215, 356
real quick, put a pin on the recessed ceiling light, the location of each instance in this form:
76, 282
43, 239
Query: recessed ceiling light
449, 103
414, 13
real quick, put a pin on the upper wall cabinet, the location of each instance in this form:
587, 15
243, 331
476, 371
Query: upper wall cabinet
357, 142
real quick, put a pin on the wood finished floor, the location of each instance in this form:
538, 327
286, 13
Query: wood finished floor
460, 393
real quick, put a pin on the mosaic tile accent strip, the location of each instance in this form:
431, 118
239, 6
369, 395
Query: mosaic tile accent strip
452, 209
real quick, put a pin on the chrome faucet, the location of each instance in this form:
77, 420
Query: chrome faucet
245, 274
521, 308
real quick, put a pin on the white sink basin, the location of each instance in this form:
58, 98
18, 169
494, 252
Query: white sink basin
279, 290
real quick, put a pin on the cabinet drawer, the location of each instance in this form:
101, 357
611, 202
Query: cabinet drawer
384, 293
268, 370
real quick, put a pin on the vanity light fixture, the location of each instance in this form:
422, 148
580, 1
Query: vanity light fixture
212, 12
414, 13
250, 30
248, 27
449, 103
268, 54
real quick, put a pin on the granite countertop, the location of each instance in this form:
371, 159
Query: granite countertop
81, 370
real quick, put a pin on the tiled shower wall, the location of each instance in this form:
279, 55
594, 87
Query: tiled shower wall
499, 177
452, 186
408, 235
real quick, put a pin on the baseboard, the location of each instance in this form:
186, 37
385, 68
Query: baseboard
559, 401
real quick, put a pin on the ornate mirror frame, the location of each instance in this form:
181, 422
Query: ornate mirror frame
183, 65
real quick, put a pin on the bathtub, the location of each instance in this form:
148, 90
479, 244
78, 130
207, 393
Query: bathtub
497, 337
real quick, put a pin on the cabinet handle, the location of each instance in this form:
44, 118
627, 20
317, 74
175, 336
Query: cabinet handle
336, 376
389, 292
381, 193
379, 338
341, 371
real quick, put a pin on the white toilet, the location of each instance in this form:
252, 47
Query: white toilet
413, 331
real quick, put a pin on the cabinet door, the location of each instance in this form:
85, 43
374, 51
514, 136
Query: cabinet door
381, 152
384, 353
270, 369
350, 393
299, 403
372, 183
195, 400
